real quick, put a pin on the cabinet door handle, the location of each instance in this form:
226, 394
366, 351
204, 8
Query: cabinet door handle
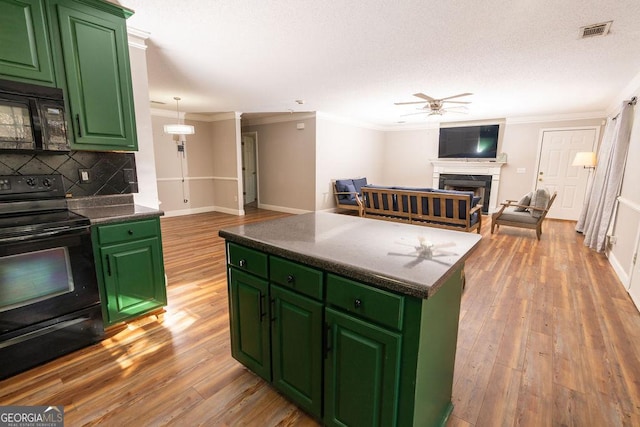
108, 265
357, 303
130, 232
327, 338
78, 123
242, 263
261, 311
273, 309
290, 279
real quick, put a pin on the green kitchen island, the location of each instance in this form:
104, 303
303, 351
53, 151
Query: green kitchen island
353, 319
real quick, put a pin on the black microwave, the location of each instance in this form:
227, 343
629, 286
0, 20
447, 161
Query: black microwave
32, 118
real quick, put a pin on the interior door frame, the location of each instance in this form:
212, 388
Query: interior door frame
595, 148
254, 135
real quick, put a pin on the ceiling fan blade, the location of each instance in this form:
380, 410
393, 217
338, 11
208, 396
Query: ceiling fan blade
458, 102
426, 97
413, 114
457, 96
406, 103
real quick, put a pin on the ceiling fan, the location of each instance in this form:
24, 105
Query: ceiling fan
436, 106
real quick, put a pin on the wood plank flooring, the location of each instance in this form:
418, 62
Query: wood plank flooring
548, 337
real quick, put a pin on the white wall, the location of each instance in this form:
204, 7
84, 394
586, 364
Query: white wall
145, 157
286, 162
407, 157
345, 150
626, 223
210, 165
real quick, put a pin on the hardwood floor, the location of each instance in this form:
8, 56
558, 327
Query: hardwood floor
548, 337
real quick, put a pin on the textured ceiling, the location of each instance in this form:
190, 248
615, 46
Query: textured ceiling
354, 59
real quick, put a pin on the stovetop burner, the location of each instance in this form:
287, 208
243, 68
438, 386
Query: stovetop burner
35, 205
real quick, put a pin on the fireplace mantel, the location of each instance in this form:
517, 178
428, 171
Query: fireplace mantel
471, 167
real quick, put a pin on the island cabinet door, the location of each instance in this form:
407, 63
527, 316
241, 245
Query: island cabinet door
249, 322
362, 370
297, 348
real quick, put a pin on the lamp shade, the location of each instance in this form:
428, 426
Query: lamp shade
179, 129
585, 158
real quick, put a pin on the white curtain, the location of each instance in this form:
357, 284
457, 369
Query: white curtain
598, 210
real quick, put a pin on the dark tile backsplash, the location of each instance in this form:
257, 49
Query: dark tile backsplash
106, 170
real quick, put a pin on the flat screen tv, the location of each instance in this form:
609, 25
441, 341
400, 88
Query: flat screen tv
475, 142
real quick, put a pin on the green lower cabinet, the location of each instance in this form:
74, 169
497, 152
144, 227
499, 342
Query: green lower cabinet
362, 372
346, 352
135, 279
249, 322
130, 269
296, 340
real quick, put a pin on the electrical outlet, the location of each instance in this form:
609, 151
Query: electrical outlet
85, 176
129, 176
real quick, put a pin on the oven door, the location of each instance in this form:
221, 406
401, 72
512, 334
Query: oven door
43, 278
49, 303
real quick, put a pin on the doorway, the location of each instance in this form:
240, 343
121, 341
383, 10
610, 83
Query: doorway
555, 173
250, 168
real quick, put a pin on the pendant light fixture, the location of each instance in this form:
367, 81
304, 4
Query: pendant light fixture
179, 128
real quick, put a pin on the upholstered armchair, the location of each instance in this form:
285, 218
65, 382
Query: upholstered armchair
528, 212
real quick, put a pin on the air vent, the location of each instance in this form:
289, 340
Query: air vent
595, 30
158, 102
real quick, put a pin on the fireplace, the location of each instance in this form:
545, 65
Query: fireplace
480, 176
479, 184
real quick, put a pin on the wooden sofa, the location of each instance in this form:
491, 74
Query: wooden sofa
347, 193
433, 207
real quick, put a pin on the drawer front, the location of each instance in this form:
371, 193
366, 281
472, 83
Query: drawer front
374, 304
246, 259
128, 231
305, 280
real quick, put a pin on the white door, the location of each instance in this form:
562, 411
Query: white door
555, 172
249, 182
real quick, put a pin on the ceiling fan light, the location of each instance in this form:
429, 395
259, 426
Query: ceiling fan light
179, 129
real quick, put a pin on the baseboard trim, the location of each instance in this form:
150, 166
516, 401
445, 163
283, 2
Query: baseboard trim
282, 209
192, 211
619, 270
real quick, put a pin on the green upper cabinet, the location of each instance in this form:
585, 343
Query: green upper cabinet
24, 42
94, 58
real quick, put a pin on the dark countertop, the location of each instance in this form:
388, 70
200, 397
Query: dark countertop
386, 254
111, 209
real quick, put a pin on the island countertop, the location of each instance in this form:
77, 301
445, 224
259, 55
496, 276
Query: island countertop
409, 259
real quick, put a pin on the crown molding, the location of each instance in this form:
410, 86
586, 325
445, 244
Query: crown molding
556, 117
278, 118
136, 38
214, 117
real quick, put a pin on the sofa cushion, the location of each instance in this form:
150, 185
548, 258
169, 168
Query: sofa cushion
510, 214
341, 186
539, 199
524, 201
359, 183
462, 207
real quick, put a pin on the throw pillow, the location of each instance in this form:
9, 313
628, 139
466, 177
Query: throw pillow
350, 188
524, 201
540, 199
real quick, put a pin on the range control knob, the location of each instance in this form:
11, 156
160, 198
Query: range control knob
31, 182
46, 182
